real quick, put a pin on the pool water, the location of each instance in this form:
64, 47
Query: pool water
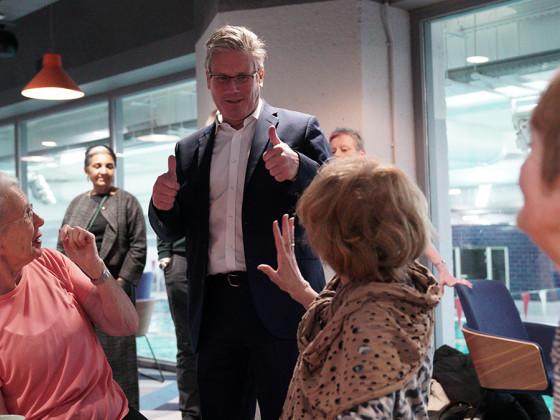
161, 334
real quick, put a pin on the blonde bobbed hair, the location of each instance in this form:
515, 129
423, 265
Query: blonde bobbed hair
365, 218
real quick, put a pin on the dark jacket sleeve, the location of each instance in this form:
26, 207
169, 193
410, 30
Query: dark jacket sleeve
168, 225
164, 248
314, 153
135, 259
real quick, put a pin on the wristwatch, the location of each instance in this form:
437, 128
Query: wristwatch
104, 277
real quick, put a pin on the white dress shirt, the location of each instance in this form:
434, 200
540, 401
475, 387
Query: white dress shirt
227, 182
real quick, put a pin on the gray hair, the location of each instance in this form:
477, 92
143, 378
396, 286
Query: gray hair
236, 38
6, 182
97, 149
358, 141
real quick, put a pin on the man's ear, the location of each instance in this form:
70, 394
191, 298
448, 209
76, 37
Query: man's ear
260, 75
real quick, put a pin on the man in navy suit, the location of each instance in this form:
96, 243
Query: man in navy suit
225, 186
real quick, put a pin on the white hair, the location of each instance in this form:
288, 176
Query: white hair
6, 182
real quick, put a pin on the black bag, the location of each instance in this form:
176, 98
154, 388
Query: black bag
457, 410
455, 372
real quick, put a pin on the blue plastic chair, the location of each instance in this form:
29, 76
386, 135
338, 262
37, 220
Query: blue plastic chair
507, 353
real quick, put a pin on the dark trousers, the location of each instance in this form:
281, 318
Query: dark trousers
176, 285
133, 414
239, 360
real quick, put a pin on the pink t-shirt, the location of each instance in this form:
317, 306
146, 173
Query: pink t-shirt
51, 364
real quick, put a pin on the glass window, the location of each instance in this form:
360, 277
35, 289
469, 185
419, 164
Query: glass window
147, 124
153, 122
478, 124
53, 150
7, 151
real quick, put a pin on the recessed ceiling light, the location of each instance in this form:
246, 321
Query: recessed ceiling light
48, 143
36, 159
156, 138
2, 16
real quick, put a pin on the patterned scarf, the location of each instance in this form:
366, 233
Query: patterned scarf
361, 341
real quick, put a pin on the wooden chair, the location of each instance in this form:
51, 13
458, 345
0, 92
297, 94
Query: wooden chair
507, 353
145, 309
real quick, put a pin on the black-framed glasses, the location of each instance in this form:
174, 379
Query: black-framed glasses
25, 218
240, 79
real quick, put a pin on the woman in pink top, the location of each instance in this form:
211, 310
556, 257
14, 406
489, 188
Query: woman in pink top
51, 363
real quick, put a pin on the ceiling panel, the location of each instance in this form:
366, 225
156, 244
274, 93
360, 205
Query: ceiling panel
12, 10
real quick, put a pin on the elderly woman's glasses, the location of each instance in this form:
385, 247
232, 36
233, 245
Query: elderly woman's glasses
239, 80
26, 217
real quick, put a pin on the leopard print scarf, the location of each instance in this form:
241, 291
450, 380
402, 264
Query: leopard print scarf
361, 341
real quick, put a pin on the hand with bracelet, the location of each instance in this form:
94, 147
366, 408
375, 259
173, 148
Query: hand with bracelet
444, 275
107, 305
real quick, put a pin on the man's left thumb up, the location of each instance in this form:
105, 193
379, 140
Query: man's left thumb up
273, 136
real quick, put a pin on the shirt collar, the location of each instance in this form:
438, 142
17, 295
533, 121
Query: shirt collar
253, 117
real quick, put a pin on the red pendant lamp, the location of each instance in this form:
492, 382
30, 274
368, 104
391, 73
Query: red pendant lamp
52, 82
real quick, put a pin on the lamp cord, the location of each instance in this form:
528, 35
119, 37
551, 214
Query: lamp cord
51, 27
475, 51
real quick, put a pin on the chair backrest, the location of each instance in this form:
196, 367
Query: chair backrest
489, 308
145, 309
144, 288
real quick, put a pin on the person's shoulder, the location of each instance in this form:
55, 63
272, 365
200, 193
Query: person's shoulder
285, 113
125, 195
52, 263
78, 198
51, 259
197, 135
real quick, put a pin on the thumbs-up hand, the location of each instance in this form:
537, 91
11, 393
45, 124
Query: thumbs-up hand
281, 161
166, 187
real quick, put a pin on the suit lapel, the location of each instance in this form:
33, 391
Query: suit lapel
205, 147
202, 188
260, 139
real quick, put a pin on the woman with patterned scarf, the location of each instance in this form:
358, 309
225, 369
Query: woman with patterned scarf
365, 341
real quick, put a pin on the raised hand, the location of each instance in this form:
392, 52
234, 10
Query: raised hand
79, 246
107, 305
166, 187
281, 161
288, 276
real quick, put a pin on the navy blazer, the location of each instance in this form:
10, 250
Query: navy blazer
264, 200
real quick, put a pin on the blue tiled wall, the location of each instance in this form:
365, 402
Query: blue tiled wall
529, 269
